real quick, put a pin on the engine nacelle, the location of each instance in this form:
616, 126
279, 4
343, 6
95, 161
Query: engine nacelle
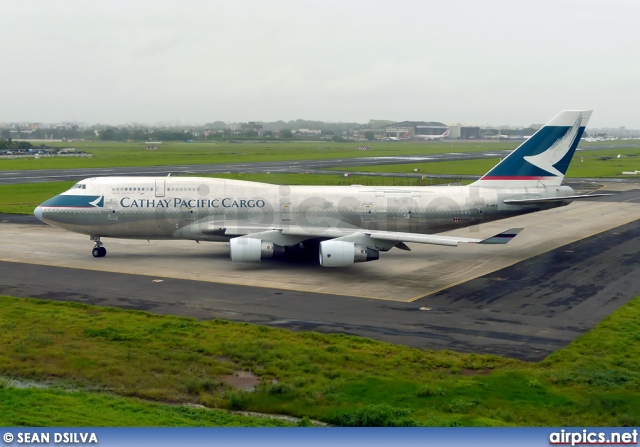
246, 249
342, 253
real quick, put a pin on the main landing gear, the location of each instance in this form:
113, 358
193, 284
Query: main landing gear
98, 249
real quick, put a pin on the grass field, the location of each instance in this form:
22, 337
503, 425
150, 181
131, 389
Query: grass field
118, 154
598, 164
22, 198
37, 407
339, 379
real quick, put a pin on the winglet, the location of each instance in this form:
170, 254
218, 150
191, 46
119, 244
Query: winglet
502, 238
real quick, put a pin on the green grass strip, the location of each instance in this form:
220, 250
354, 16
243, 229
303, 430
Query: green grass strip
119, 154
45, 408
340, 379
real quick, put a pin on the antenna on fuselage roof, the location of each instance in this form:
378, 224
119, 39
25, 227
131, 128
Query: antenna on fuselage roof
169, 175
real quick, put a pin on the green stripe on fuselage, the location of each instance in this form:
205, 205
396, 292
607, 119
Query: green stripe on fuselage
74, 201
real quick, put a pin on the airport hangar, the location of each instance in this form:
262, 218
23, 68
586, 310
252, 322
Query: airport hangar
429, 128
570, 268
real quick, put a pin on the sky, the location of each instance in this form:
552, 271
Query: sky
489, 62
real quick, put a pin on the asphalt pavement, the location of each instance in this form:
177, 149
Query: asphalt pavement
525, 311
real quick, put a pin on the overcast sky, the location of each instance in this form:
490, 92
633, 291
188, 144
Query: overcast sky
183, 61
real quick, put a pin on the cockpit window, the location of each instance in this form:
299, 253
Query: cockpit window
79, 186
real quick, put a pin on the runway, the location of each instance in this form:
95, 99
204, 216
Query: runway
298, 166
564, 273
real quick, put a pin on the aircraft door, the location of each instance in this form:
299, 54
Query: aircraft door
381, 204
400, 208
476, 215
160, 187
402, 204
416, 202
379, 212
285, 212
110, 208
368, 210
168, 218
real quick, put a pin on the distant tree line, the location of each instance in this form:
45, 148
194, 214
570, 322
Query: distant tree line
10, 144
124, 134
41, 134
211, 131
334, 128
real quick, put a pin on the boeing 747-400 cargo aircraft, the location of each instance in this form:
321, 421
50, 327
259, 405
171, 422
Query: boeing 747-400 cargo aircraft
344, 224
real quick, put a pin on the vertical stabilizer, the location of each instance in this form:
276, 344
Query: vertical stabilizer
544, 158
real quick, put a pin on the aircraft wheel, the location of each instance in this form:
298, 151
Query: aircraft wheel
103, 252
96, 252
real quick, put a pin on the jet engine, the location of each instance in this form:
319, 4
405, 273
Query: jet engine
342, 253
245, 249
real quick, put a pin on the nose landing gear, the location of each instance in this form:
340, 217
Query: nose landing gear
98, 249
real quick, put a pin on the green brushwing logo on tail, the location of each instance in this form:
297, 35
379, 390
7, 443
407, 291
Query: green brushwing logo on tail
545, 155
558, 150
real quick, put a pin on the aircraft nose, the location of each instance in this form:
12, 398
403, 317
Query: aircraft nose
38, 212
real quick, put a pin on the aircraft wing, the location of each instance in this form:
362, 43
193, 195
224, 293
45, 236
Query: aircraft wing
500, 238
379, 239
341, 248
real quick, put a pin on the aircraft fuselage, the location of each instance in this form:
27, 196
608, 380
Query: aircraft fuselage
218, 209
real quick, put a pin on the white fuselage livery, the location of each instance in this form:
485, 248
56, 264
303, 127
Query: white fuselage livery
214, 209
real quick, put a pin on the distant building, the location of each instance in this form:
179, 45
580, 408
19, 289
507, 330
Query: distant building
378, 134
490, 134
397, 130
251, 126
463, 132
209, 132
307, 134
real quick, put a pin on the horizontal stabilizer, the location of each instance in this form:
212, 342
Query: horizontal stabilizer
551, 199
502, 238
